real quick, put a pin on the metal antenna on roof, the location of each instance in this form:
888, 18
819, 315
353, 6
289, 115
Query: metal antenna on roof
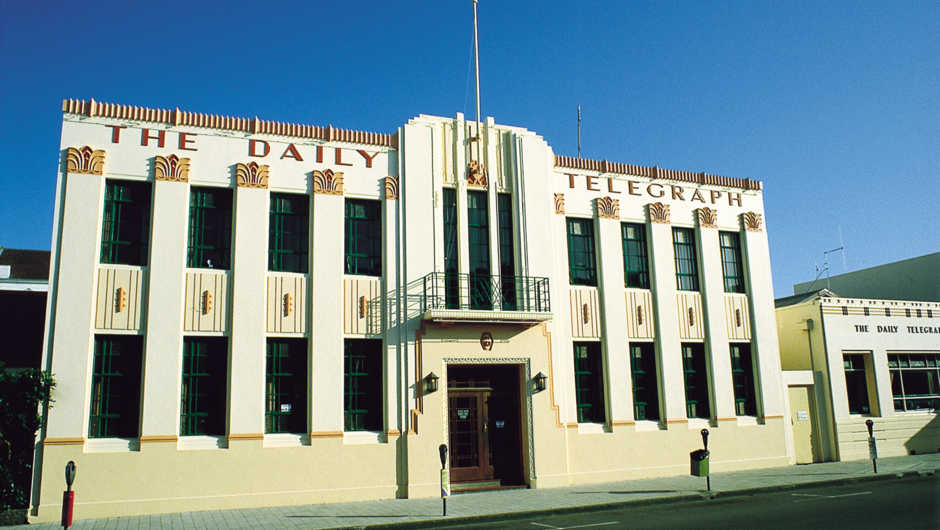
579, 131
826, 260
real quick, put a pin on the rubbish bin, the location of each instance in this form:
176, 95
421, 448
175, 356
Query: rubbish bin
699, 462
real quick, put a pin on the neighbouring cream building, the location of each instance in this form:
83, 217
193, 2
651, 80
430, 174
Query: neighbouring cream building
246, 313
849, 360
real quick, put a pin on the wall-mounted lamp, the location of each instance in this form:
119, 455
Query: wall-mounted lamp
430, 382
541, 381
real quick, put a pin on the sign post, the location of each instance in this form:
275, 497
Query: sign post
872, 447
68, 497
445, 477
708, 477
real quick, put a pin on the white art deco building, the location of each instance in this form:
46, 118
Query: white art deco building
245, 313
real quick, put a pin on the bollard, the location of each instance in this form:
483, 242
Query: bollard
68, 496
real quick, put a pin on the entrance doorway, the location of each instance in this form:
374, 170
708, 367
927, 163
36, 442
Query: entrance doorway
485, 421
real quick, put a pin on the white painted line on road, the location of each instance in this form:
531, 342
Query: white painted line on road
578, 526
817, 497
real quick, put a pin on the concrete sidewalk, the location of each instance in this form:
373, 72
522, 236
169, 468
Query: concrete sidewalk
515, 504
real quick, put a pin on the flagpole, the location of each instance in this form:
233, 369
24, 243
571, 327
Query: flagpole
476, 53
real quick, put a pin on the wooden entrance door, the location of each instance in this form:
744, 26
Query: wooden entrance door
469, 438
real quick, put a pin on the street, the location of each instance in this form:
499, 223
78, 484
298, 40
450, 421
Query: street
909, 503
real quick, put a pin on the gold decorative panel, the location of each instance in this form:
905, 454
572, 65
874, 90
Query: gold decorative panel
327, 183
640, 315
584, 301
707, 218
287, 306
690, 316
608, 208
85, 161
362, 311
251, 175
560, 203
205, 306
752, 221
171, 168
118, 303
737, 317
476, 174
659, 213
391, 188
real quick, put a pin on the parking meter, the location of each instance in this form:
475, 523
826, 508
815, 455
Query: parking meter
445, 478
68, 497
443, 450
872, 448
705, 438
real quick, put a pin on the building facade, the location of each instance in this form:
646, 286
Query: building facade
909, 279
247, 313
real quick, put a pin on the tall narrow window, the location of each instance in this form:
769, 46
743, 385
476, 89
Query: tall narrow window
288, 240
363, 237
478, 230
696, 381
362, 388
683, 244
115, 387
743, 380
635, 264
589, 382
210, 228
451, 258
915, 381
645, 381
731, 263
286, 386
205, 369
507, 263
581, 264
125, 232
856, 383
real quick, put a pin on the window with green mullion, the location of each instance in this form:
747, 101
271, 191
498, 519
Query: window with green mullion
362, 385
210, 228
589, 382
743, 380
731, 263
683, 244
125, 229
635, 262
478, 230
696, 381
645, 381
288, 233
115, 387
507, 263
286, 386
363, 237
205, 376
451, 268
856, 383
581, 264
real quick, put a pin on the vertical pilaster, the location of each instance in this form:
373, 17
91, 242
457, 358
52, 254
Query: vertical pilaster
717, 349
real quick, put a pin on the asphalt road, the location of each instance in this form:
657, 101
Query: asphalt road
908, 504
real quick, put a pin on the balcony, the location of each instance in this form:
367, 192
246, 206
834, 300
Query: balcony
449, 298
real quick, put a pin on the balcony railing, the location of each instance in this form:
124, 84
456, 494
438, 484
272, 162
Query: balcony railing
478, 292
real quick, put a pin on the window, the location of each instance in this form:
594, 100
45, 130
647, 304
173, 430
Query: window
645, 381
362, 385
589, 382
286, 386
363, 237
288, 242
856, 383
743, 380
115, 387
635, 264
696, 381
478, 230
125, 232
451, 268
683, 243
507, 263
731, 263
915, 381
205, 369
210, 228
581, 268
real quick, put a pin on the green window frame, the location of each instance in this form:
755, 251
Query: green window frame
115, 387
589, 382
507, 262
451, 257
732, 265
696, 381
286, 386
210, 228
683, 244
915, 381
478, 232
363, 237
288, 233
125, 229
635, 261
645, 381
582, 268
205, 375
856, 383
363, 385
744, 380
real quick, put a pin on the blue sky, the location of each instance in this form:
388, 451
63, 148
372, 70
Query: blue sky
834, 106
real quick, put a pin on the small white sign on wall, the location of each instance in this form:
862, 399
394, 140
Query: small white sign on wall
802, 415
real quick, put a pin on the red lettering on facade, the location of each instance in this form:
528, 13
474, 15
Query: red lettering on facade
319, 154
732, 197
252, 148
291, 152
632, 188
184, 139
368, 158
571, 177
697, 196
591, 181
339, 157
610, 186
649, 190
116, 133
677, 193
715, 195
145, 137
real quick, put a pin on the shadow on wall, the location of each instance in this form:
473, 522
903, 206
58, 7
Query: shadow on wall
926, 440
